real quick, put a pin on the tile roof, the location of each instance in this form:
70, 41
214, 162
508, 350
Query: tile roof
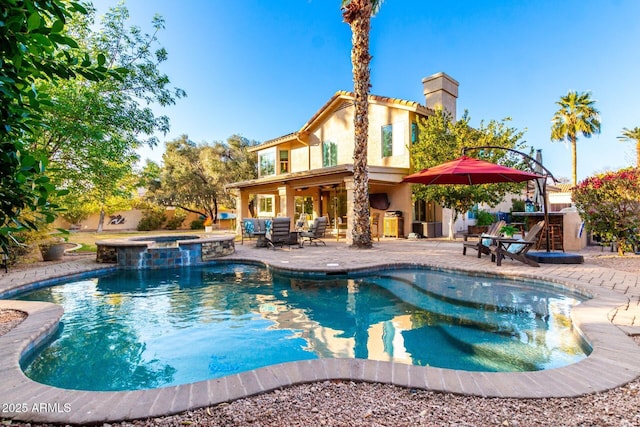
564, 187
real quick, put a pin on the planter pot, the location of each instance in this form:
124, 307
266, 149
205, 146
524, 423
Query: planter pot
208, 228
53, 252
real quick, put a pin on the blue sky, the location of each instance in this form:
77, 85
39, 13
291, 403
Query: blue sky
262, 68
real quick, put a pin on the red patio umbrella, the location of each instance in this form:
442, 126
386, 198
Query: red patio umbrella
469, 171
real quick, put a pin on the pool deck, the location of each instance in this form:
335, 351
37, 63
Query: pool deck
606, 320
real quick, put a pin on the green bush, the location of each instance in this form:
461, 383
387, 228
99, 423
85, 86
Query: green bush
152, 219
197, 224
517, 205
176, 221
485, 218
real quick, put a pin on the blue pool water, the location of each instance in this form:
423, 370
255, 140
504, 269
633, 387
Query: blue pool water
151, 328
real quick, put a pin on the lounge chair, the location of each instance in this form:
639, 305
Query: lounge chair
483, 243
517, 249
316, 232
280, 234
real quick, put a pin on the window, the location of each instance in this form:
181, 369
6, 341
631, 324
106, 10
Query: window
267, 163
414, 133
473, 213
387, 141
329, 154
265, 205
284, 161
424, 211
393, 139
303, 205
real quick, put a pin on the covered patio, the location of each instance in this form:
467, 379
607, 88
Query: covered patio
324, 192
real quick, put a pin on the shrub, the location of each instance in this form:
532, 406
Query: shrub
517, 205
609, 204
152, 219
176, 221
485, 218
197, 224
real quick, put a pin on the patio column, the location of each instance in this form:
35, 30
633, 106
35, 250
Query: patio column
287, 203
242, 206
348, 185
317, 206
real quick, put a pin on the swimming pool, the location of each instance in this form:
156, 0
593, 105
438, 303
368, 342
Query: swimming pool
151, 328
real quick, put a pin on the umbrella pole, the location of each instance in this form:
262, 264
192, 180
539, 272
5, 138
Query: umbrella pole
546, 214
545, 209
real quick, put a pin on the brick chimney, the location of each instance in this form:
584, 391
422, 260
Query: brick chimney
441, 89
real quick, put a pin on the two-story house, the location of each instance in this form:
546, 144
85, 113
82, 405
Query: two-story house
310, 170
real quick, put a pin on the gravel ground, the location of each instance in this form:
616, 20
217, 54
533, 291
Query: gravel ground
9, 319
336, 403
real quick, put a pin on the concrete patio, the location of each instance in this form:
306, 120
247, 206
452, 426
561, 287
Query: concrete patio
606, 320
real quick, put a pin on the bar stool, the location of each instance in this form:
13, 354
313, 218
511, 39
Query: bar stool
555, 237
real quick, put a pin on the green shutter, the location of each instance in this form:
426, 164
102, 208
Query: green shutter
329, 154
387, 141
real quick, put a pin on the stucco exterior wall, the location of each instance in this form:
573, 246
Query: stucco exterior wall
379, 116
299, 159
338, 128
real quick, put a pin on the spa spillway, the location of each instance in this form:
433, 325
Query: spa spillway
164, 251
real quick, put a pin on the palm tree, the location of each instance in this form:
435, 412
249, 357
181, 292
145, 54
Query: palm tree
358, 13
576, 115
632, 135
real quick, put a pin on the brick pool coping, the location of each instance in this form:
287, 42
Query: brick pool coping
614, 361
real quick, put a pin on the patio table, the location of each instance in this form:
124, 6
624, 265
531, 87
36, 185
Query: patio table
261, 240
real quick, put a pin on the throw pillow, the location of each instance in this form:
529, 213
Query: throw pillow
514, 248
248, 226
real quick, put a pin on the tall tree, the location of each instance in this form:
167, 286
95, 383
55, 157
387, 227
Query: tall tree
92, 131
33, 48
358, 13
632, 135
193, 176
577, 115
440, 140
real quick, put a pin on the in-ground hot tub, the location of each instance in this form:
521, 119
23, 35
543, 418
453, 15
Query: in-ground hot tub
164, 251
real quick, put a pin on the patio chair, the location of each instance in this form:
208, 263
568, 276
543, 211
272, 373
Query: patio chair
302, 222
517, 249
316, 232
483, 243
280, 233
247, 227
